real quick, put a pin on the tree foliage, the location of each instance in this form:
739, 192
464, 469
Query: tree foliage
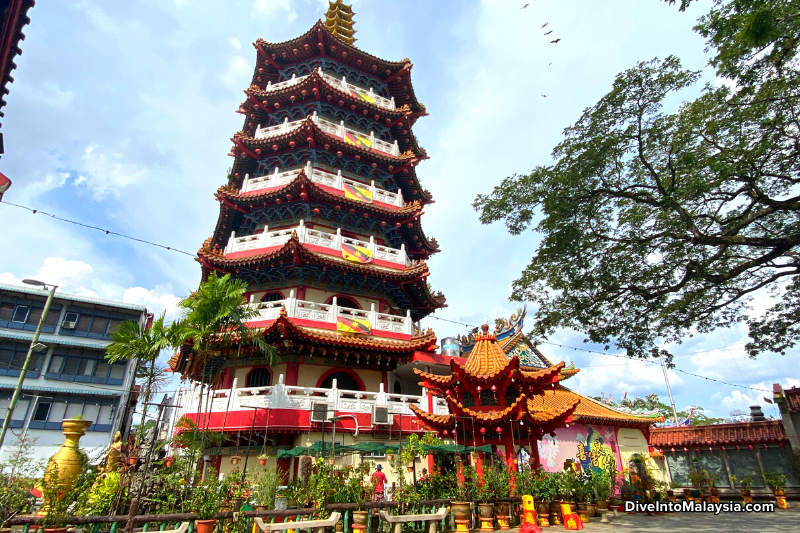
655, 224
651, 402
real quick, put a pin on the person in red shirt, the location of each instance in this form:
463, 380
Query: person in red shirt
379, 478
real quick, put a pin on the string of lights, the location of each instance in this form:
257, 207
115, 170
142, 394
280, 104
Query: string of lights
106, 231
173, 249
632, 360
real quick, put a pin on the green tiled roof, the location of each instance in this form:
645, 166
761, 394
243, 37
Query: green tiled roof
73, 298
92, 392
52, 339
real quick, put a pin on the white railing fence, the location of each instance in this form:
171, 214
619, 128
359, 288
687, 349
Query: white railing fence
332, 128
332, 241
342, 84
317, 175
281, 396
328, 313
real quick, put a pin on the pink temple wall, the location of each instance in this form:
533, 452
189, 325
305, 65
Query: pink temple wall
571, 443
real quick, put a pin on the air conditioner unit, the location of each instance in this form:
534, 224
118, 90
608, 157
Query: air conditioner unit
68, 324
321, 412
381, 416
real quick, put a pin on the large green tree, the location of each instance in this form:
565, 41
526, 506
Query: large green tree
656, 224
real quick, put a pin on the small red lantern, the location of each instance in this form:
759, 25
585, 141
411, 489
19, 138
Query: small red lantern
750, 447
765, 446
478, 388
737, 448
710, 449
782, 445
723, 448
521, 423
499, 430
672, 450
444, 432
455, 388
483, 431
494, 388
686, 450
447, 392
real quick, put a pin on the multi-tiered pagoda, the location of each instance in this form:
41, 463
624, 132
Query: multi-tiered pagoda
321, 216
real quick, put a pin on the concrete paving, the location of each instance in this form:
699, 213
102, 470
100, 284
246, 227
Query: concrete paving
781, 521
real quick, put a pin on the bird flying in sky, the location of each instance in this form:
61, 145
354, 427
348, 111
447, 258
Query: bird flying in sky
550, 63
544, 95
556, 41
526, 5
548, 33
545, 24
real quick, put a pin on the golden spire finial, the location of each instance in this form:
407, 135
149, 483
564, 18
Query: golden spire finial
339, 21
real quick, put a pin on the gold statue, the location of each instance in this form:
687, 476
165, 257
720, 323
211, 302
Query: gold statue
111, 462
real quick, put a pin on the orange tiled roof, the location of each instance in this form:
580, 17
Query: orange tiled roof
543, 415
588, 410
486, 360
489, 416
432, 419
529, 373
740, 433
436, 378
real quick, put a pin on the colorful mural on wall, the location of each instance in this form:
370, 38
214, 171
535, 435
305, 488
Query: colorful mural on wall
591, 445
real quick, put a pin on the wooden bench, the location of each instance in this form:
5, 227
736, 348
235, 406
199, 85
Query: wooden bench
317, 525
429, 519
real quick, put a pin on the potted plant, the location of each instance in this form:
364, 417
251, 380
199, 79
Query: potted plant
360, 488
169, 461
460, 491
601, 488
745, 482
57, 498
712, 484
294, 493
776, 482
498, 480
235, 459
262, 459
698, 479
671, 491
207, 498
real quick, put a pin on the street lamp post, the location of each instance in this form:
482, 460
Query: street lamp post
35, 346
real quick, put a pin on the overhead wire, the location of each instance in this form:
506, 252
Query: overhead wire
173, 249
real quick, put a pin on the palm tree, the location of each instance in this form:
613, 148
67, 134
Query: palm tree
215, 321
143, 343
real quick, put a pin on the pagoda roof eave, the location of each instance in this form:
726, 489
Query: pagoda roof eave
309, 134
591, 411
515, 411
302, 184
294, 250
308, 46
433, 421
434, 379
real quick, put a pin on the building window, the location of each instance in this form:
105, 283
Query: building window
20, 314
258, 377
42, 411
511, 395
468, 400
488, 397
398, 389
12, 358
344, 381
85, 367
344, 301
272, 297
93, 323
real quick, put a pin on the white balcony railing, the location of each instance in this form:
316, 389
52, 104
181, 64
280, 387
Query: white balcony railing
332, 128
328, 313
380, 101
333, 241
280, 396
323, 177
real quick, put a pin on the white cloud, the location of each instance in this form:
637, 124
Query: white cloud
271, 8
238, 72
235, 43
105, 172
613, 375
156, 300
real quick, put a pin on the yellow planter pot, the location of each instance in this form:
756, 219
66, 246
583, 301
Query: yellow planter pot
67, 460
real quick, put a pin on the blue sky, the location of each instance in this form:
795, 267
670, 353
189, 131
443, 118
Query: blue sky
121, 116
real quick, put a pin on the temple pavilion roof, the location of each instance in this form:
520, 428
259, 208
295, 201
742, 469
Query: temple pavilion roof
293, 339
320, 42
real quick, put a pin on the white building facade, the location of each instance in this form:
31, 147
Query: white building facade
69, 377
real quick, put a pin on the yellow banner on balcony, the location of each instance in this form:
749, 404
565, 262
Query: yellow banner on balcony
357, 140
356, 254
354, 192
353, 325
364, 97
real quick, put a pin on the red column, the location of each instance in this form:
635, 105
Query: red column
292, 370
